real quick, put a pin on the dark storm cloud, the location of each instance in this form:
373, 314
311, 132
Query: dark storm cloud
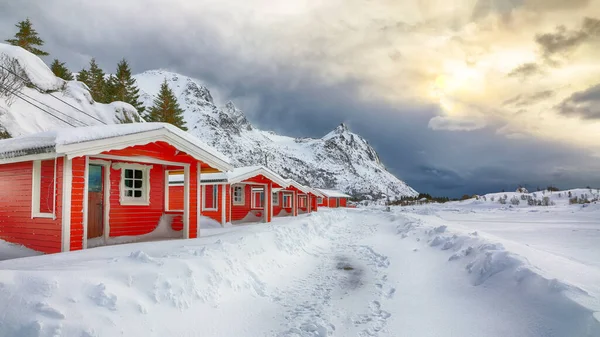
526, 70
565, 40
584, 104
288, 98
525, 100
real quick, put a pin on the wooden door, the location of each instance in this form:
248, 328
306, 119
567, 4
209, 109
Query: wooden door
95, 201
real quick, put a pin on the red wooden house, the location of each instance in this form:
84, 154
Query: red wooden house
242, 195
333, 198
61, 189
293, 200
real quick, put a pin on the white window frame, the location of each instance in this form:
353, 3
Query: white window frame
253, 202
242, 200
288, 196
144, 200
36, 191
275, 198
319, 200
215, 205
302, 203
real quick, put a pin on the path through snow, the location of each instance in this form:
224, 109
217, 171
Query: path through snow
334, 273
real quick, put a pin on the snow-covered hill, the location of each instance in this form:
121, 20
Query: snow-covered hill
66, 103
341, 159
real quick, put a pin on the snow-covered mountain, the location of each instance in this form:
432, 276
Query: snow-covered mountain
49, 102
341, 159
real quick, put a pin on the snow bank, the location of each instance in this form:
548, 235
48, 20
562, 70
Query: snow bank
11, 251
138, 289
489, 263
64, 99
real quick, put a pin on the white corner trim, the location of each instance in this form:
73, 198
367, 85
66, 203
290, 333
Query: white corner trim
198, 199
223, 204
66, 205
186, 202
85, 201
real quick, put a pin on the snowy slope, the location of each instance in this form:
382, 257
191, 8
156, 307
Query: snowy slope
20, 117
338, 272
341, 159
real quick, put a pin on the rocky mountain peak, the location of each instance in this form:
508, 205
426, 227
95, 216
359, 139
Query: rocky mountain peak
237, 115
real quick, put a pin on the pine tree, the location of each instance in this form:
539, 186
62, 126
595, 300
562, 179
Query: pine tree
84, 76
166, 109
27, 38
97, 83
122, 87
60, 70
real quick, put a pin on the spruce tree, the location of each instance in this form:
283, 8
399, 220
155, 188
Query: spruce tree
166, 109
97, 83
84, 76
60, 70
122, 87
27, 38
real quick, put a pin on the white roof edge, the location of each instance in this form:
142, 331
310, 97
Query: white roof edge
232, 177
292, 182
143, 137
333, 193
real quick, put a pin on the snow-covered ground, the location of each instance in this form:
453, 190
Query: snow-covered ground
365, 272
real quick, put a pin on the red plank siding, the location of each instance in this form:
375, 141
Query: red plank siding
16, 224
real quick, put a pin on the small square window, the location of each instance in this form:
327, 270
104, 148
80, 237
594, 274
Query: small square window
238, 195
135, 181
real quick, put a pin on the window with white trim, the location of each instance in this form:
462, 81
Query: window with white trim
287, 200
276, 198
135, 184
319, 200
258, 198
302, 201
211, 198
238, 195
43, 189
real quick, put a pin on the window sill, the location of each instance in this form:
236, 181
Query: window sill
210, 209
42, 215
134, 203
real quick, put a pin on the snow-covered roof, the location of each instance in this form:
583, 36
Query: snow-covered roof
90, 140
302, 188
333, 193
239, 174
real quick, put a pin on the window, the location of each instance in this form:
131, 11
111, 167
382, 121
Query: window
258, 198
302, 201
211, 197
238, 195
43, 189
319, 200
276, 198
135, 184
287, 200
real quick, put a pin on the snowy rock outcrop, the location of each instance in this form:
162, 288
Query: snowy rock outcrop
341, 159
50, 102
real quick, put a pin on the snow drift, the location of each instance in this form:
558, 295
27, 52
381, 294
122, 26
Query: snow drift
66, 103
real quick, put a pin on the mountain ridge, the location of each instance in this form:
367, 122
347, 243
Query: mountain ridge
340, 159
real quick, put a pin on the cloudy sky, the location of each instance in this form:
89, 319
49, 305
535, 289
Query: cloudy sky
457, 96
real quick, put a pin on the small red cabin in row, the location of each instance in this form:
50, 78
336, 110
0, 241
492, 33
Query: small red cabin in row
332, 198
243, 195
73, 188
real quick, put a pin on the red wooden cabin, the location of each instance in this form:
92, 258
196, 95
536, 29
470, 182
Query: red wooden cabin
294, 200
242, 195
70, 189
332, 198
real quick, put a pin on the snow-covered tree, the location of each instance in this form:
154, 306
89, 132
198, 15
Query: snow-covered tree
60, 70
27, 38
166, 109
97, 83
122, 87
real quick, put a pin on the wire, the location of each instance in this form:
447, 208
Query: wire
42, 91
46, 111
50, 107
